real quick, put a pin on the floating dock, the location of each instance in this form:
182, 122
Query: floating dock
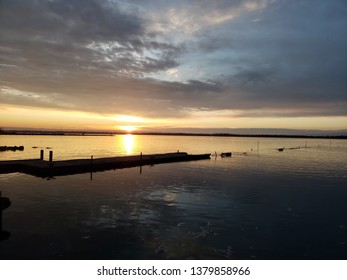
43, 168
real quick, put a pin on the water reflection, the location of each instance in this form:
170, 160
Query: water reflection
128, 143
288, 205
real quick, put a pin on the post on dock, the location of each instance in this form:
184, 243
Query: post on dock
91, 168
140, 163
41, 154
51, 156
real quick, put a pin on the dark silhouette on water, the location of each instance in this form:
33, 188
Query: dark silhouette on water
42, 168
5, 202
11, 148
299, 134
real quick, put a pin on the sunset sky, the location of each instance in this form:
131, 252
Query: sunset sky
173, 65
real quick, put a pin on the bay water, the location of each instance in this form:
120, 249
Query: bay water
258, 204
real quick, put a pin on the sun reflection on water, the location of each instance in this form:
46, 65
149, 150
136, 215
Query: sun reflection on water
129, 143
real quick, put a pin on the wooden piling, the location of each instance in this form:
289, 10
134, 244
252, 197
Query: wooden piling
91, 168
140, 163
41, 154
50, 156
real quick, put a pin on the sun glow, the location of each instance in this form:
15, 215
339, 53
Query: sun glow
128, 128
130, 119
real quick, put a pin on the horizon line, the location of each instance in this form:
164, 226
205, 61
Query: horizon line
91, 132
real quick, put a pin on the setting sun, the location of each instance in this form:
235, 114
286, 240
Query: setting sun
127, 128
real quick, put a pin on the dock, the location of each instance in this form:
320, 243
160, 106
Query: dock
44, 169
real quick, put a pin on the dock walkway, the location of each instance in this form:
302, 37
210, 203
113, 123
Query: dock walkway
43, 168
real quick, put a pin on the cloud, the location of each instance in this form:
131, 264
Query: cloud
80, 20
193, 16
168, 59
64, 37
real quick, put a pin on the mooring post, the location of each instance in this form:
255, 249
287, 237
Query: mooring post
50, 155
140, 163
41, 154
91, 168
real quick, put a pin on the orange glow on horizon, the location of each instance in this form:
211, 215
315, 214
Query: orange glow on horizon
128, 128
129, 119
22, 117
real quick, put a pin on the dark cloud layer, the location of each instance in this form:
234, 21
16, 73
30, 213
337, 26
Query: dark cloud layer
272, 58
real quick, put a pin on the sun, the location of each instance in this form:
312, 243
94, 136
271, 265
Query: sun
127, 128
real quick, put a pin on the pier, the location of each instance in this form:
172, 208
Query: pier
43, 168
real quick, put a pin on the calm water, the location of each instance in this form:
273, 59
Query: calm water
255, 205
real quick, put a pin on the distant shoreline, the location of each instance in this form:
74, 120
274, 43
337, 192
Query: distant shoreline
105, 133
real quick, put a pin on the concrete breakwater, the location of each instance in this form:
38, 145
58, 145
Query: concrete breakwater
43, 168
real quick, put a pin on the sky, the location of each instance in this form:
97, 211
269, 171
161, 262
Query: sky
178, 65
